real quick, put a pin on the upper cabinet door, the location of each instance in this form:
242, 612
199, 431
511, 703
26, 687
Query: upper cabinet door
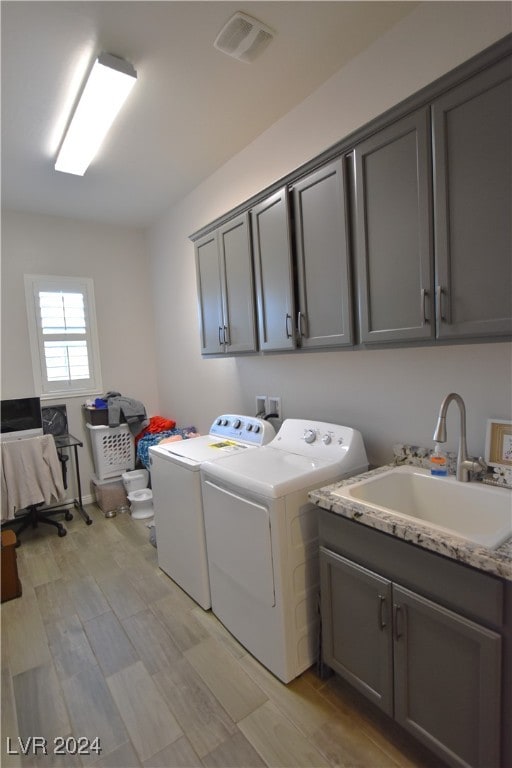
393, 232
211, 323
239, 331
472, 129
274, 273
321, 236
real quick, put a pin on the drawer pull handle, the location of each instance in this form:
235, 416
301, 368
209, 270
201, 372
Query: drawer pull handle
382, 620
398, 619
423, 310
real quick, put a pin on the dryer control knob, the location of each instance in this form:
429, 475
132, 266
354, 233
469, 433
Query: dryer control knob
326, 439
309, 436
236, 424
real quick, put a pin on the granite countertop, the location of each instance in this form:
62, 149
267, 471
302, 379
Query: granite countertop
495, 561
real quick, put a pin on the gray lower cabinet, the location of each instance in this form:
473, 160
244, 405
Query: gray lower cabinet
324, 316
273, 269
435, 671
472, 140
225, 289
393, 232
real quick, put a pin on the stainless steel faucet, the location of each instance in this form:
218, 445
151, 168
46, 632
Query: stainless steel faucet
464, 465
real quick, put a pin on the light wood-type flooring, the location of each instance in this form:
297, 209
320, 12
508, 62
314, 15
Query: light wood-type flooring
102, 644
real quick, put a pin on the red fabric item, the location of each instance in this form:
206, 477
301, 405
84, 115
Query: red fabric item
156, 424
160, 424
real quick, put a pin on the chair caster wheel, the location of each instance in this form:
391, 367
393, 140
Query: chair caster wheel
68, 516
62, 532
88, 522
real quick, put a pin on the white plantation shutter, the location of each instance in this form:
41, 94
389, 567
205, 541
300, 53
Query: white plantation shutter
63, 334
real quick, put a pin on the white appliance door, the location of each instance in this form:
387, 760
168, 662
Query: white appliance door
239, 546
180, 536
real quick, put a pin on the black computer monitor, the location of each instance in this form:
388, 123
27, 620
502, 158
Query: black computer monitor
20, 417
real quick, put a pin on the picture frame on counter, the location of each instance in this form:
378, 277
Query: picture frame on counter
498, 443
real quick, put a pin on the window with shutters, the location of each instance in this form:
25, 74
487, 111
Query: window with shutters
63, 336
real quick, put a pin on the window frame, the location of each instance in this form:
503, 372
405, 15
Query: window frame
55, 283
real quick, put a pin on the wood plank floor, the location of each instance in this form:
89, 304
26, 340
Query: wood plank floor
102, 644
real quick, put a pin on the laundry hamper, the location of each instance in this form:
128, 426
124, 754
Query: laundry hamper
113, 450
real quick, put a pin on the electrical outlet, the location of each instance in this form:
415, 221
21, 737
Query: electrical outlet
261, 405
274, 405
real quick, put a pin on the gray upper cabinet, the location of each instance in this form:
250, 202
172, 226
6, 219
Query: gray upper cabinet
472, 132
324, 316
273, 272
211, 321
225, 289
412, 214
393, 231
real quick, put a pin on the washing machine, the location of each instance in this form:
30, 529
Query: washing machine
177, 499
262, 538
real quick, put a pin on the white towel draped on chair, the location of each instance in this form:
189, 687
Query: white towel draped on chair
31, 474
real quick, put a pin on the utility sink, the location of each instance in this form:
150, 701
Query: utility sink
478, 513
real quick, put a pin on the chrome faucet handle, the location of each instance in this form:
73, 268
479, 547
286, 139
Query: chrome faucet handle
481, 464
475, 466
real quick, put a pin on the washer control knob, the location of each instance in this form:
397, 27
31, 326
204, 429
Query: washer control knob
256, 428
326, 439
236, 424
219, 422
249, 427
309, 436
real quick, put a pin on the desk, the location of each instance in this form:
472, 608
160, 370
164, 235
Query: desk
69, 441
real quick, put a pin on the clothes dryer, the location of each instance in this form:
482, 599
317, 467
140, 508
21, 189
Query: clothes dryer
177, 498
262, 538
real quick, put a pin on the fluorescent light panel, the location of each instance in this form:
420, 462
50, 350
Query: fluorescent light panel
110, 81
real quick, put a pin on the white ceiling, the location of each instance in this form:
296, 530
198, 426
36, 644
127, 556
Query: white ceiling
191, 109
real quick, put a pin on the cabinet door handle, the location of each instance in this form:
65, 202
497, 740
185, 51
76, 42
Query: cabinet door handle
221, 335
382, 620
423, 308
289, 330
398, 621
302, 326
227, 335
442, 313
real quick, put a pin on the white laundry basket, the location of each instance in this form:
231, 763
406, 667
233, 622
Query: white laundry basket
113, 450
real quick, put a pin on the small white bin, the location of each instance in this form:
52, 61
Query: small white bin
110, 494
113, 450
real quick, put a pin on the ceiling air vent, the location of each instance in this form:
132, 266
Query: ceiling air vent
243, 37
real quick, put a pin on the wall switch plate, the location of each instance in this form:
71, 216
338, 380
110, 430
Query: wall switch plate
274, 406
261, 405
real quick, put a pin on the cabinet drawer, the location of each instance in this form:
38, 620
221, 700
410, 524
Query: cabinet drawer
475, 594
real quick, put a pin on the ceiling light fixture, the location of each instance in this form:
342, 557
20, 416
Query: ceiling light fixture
110, 81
